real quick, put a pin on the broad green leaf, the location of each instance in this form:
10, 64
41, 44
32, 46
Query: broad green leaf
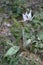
41, 45
41, 35
28, 42
13, 50
27, 35
41, 15
36, 21
36, 45
41, 24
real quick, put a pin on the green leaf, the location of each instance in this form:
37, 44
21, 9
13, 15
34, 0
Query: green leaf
41, 45
28, 42
41, 35
16, 23
27, 35
13, 50
41, 24
36, 21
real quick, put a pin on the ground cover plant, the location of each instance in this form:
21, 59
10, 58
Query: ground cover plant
22, 42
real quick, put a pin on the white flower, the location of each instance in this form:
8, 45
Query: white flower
29, 15
25, 17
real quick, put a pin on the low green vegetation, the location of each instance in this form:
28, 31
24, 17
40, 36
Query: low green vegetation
26, 36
